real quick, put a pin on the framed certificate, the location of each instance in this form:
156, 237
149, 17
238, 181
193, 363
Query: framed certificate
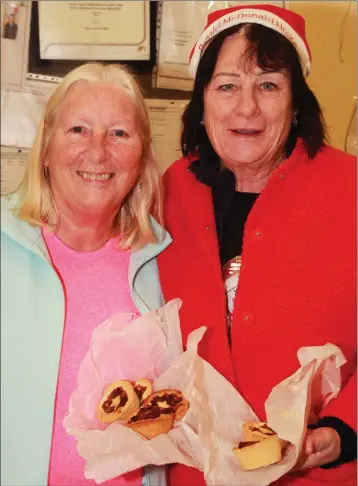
82, 30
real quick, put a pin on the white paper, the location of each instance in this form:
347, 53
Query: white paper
14, 52
13, 163
20, 115
165, 121
41, 85
94, 30
181, 25
212, 426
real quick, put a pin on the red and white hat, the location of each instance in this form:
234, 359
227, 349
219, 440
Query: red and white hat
286, 22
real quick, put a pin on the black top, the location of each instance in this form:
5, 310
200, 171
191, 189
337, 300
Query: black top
234, 223
231, 208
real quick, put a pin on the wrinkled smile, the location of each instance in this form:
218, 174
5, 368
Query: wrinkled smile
105, 176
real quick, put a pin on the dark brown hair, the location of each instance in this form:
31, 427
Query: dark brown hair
271, 51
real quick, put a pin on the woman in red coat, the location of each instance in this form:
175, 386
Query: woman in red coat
262, 215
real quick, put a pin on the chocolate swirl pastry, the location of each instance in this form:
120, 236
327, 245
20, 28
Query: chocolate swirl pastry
145, 413
261, 453
158, 412
143, 389
118, 402
149, 414
261, 446
257, 431
150, 421
171, 400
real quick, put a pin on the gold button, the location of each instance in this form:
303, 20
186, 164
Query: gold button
248, 317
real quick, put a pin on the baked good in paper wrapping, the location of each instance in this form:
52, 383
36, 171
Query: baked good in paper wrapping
119, 402
157, 414
254, 431
150, 421
261, 446
149, 414
169, 399
261, 453
143, 389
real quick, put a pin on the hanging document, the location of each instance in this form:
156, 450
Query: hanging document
94, 30
13, 164
165, 121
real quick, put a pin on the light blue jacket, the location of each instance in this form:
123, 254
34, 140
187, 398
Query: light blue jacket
32, 320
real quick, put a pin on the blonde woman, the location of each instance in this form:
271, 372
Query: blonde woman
79, 241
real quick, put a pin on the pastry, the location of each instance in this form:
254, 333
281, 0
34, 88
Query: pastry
149, 414
172, 401
151, 421
143, 389
119, 402
254, 431
261, 453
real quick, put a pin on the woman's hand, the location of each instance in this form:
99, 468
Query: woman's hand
320, 446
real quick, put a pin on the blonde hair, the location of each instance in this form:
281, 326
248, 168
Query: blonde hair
132, 221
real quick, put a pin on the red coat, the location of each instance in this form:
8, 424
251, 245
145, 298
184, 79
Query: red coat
297, 283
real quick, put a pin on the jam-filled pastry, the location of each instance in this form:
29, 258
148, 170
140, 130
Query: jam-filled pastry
254, 431
143, 389
119, 402
151, 421
261, 453
169, 401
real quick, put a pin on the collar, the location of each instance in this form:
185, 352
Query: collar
150, 251
21, 232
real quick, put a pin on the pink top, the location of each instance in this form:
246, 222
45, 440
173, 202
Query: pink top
96, 287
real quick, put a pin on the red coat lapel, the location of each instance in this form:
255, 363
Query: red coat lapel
190, 267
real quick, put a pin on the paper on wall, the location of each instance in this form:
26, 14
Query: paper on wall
13, 163
14, 52
165, 121
20, 115
94, 30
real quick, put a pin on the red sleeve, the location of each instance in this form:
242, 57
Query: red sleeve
345, 405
